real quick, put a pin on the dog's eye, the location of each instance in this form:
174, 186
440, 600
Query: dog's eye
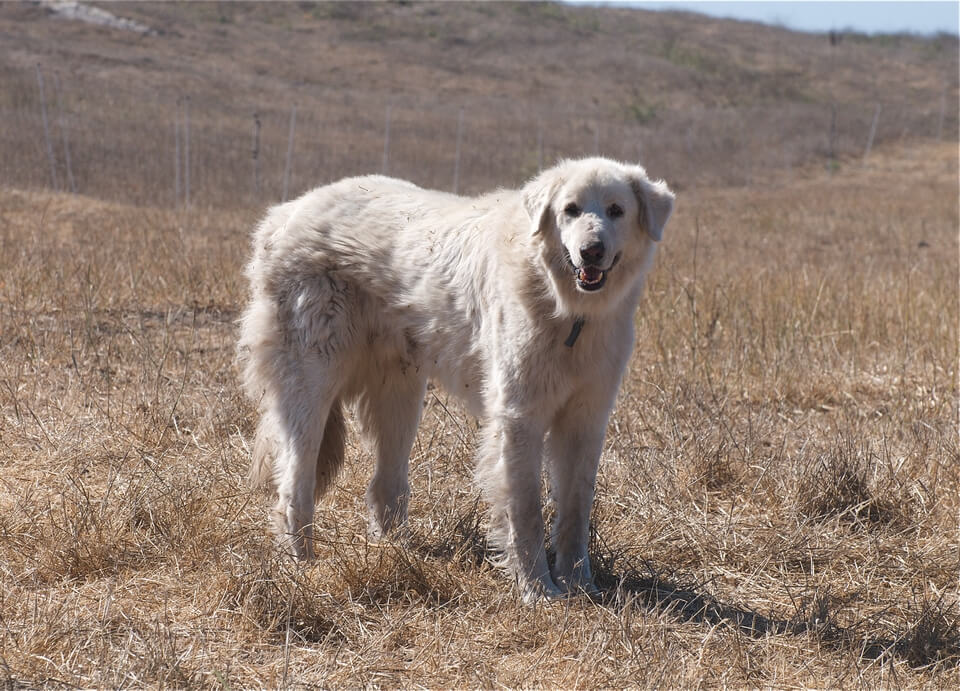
571, 209
614, 211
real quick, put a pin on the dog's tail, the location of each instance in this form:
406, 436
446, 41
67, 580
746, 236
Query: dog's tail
263, 456
329, 459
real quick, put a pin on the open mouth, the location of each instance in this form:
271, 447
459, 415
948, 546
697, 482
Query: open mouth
591, 278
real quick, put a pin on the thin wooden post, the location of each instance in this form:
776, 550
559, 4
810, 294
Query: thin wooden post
386, 143
833, 135
186, 151
873, 132
256, 155
539, 146
943, 113
286, 167
63, 133
456, 165
46, 132
176, 156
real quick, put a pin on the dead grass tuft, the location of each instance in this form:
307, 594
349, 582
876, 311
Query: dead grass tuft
712, 468
848, 483
933, 637
456, 535
274, 596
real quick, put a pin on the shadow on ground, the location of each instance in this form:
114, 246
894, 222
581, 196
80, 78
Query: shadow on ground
933, 638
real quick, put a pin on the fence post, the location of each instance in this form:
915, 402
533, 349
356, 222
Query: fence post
46, 131
63, 133
256, 156
831, 155
943, 112
456, 165
873, 132
540, 146
176, 156
386, 143
186, 151
286, 166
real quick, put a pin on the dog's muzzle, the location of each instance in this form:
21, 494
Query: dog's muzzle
591, 278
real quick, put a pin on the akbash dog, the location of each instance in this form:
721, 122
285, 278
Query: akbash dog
521, 303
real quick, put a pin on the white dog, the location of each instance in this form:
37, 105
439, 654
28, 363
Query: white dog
521, 303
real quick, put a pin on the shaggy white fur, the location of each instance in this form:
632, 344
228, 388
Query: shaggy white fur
521, 303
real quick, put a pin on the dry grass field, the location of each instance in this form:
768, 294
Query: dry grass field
779, 495
778, 500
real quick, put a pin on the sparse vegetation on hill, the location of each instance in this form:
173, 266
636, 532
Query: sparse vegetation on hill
700, 100
779, 495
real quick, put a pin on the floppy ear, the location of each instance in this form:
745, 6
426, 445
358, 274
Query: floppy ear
656, 203
537, 197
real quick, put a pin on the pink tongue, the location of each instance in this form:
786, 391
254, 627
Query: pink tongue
590, 274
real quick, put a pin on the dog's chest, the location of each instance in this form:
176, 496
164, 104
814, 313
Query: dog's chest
536, 372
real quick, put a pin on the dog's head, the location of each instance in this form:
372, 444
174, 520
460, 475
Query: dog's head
597, 222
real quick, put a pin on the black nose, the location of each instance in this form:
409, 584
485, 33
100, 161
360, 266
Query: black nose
592, 252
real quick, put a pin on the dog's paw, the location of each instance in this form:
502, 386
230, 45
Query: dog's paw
376, 534
578, 587
292, 531
541, 589
576, 579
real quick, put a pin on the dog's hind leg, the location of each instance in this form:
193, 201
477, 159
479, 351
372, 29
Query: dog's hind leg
309, 448
329, 459
389, 415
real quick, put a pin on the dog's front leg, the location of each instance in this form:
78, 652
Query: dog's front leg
574, 442
510, 476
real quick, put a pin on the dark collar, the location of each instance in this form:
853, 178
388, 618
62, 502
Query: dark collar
574, 332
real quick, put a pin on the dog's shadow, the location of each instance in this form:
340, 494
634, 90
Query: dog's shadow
623, 581
932, 640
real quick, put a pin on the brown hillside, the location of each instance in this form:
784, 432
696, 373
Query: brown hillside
699, 100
